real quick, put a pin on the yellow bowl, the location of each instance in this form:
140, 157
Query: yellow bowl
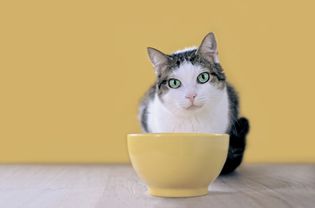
178, 164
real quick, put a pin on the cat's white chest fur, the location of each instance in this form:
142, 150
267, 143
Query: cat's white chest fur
210, 119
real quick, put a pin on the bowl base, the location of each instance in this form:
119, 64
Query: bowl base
162, 192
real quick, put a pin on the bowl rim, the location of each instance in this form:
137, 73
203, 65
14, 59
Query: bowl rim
169, 134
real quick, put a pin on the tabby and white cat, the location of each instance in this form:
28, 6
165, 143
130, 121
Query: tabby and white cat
191, 94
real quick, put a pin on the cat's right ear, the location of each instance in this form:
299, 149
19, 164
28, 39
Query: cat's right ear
159, 60
208, 48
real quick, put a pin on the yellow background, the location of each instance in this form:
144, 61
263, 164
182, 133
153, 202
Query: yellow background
72, 72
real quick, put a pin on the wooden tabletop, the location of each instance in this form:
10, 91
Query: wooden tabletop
115, 186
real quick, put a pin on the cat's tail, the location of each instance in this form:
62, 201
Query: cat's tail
237, 145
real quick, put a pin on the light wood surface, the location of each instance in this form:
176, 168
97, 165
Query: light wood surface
102, 186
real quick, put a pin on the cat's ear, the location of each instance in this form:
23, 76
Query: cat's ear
208, 48
159, 60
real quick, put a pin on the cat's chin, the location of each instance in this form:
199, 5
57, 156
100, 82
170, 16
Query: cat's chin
193, 107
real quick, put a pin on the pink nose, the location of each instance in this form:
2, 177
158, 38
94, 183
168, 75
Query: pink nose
191, 97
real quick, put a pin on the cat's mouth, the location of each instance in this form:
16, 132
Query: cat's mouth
193, 107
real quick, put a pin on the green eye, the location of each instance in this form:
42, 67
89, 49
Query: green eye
174, 83
203, 78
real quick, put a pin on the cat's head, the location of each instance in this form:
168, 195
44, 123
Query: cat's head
190, 79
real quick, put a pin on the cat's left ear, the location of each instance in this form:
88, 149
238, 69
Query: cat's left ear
208, 48
158, 59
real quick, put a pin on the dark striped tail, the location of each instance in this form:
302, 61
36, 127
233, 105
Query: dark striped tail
237, 146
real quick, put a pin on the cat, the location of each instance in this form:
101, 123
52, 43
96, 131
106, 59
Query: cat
191, 94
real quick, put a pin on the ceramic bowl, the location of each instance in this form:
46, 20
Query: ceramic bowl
178, 164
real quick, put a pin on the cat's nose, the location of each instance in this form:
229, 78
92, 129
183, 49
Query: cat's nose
191, 97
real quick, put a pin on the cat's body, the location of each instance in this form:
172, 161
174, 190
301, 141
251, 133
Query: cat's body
191, 94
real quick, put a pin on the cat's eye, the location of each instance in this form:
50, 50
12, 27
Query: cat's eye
203, 77
174, 83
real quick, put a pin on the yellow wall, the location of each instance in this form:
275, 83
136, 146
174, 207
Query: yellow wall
71, 73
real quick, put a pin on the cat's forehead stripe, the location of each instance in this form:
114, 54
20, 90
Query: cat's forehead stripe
182, 56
